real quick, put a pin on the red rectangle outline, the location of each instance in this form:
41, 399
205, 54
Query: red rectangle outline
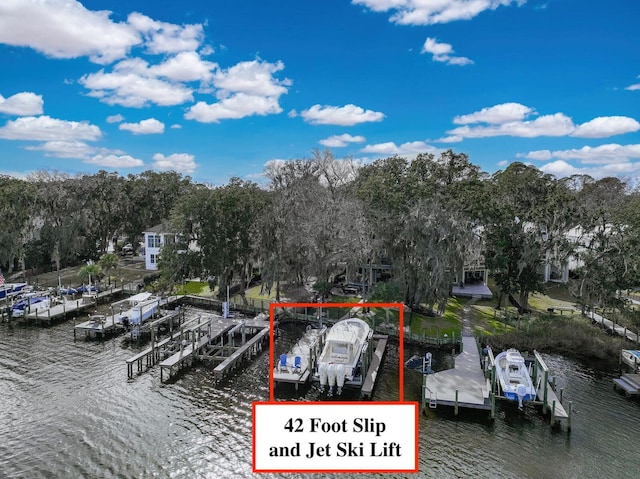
342, 403
272, 401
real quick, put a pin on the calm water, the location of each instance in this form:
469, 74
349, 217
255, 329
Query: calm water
67, 410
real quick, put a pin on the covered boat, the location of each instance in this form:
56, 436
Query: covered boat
514, 377
30, 304
345, 356
139, 308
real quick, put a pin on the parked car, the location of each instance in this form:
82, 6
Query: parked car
127, 249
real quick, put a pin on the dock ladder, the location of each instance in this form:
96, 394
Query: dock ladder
433, 399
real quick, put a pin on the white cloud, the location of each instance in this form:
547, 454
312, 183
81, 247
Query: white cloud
22, 104
179, 162
253, 78
390, 148
245, 89
175, 126
338, 141
45, 128
449, 139
115, 161
65, 29
501, 113
557, 124
64, 149
184, 67
634, 87
347, 115
605, 126
144, 127
443, 52
162, 37
130, 85
603, 154
541, 155
115, 118
561, 168
235, 107
509, 119
429, 12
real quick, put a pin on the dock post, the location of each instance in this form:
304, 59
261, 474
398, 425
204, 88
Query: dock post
546, 391
492, 397
553, 411
561, 394
455, 405
453, 355
569, 416
424, 393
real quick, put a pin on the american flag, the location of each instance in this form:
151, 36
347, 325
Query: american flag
1, 277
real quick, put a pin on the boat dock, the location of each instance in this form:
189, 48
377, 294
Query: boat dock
297, 366
463, 386
380, 341
227, 342
473, 384
629, 384
72, 306
102, 325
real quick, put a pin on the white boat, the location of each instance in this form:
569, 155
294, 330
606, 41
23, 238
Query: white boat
6, 289
139, 308
631, 357
514, 377
298, 364
30, 304
344, 357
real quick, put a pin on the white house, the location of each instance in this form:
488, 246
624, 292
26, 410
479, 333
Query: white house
154, 240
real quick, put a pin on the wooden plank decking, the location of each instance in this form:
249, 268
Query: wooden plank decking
464, 385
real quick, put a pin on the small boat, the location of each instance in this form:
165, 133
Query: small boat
139, 308
298, 364
7, 289
514, 377
344, 358
30, 304
631, 357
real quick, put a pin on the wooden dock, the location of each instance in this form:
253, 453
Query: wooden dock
463, 386
103, 325
473, 384
72, 306
380, 341
628, 383
227, 341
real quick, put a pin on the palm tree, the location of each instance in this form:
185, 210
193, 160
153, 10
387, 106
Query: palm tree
107, 262
88, 270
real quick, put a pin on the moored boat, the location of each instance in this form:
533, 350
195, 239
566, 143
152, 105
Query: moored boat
345, 357
514, 377
298, 364
30, 304
139, 308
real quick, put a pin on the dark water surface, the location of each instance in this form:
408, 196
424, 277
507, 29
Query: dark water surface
67, 410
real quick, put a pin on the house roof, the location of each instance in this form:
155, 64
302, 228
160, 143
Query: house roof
163, 227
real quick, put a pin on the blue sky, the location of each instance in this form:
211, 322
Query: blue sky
219, 88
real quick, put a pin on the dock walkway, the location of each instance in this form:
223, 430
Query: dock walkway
463, 386
613, 327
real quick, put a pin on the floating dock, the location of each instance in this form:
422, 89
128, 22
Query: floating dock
463, 386
629, 384
473, 384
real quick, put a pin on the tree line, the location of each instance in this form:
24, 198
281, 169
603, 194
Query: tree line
320, 217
